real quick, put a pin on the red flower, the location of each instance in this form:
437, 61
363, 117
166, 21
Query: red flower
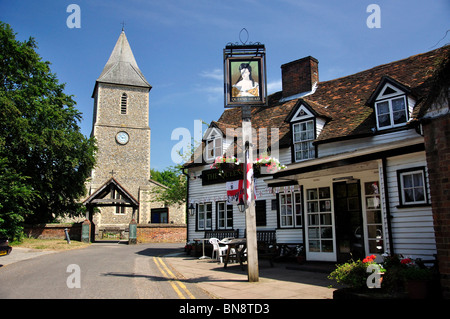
405, 261
369, 259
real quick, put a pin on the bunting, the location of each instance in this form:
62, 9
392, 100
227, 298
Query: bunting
231, 193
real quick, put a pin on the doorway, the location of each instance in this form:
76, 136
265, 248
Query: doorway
348, 220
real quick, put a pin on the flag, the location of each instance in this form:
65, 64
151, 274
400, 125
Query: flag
249, 173
235, 191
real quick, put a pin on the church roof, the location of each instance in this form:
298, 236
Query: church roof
109, 189
121, 67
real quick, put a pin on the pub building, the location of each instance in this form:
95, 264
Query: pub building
356, 181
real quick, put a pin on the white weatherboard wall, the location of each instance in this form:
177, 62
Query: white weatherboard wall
217, 192
351, 145
412, 227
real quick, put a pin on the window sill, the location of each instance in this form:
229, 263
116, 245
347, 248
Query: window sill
304, 160
413, 205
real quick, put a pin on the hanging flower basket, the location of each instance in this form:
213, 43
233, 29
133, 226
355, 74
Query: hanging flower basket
225, 164
269, 164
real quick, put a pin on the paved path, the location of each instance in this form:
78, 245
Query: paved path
286, 280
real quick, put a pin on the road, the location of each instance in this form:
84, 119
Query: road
101, 271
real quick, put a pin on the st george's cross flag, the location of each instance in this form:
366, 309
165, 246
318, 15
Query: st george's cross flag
250, 181
235, 192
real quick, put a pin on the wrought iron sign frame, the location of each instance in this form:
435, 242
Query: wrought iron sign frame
249, 59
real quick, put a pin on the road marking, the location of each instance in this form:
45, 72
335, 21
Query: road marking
172, 279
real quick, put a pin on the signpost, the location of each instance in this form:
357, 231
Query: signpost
246, 86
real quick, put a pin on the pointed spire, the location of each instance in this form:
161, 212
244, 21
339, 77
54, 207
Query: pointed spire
121, 67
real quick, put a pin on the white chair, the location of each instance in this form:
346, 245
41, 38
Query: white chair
217, 249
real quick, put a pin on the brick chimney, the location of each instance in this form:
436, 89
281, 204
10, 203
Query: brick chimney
299, 76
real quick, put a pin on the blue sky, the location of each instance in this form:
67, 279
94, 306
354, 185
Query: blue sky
178, 45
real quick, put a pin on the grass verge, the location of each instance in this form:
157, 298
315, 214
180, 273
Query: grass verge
49, 244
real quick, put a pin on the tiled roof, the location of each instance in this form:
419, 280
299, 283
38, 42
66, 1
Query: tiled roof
344, 100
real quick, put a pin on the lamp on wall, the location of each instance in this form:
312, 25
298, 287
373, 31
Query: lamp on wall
241, 206
191, 209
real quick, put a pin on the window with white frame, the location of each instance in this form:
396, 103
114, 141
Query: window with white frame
290, 210
303, 136
319, 226
213, 148
392, 112
412, 186
224, 216
204, 216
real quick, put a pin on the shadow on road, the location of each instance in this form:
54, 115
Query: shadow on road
162, 249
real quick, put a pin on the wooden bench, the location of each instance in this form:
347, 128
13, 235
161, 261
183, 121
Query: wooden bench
266, 241
221, 234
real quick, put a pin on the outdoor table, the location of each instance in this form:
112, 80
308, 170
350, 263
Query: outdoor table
239, 252
203, 244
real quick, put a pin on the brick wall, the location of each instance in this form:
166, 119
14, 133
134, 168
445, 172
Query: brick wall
437, 145
299, 76
165, 233
156, 233
53, 231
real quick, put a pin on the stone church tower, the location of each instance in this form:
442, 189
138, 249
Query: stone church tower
120, 126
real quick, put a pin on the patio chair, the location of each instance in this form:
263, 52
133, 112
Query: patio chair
220, 251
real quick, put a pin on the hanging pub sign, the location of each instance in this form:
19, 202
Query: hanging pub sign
244, 75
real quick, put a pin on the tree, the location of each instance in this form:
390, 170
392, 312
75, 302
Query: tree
42, 150
175, 193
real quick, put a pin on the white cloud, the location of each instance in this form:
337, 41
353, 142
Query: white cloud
274, 86
216, 74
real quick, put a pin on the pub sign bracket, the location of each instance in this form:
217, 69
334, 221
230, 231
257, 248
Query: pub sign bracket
245, 81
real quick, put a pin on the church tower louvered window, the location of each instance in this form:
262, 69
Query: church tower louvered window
123, 104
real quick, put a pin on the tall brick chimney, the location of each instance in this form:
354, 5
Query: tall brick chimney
299, 76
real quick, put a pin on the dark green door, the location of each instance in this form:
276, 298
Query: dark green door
348, 220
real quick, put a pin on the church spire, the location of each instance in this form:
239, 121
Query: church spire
121, 67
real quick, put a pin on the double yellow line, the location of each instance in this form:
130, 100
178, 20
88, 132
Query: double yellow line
174, 282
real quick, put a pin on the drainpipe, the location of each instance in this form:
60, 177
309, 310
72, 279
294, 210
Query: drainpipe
388, 208
187, 202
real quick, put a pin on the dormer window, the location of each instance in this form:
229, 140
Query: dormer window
303, 137
306, 125
213, 139
391, 112
391, 104
213, 147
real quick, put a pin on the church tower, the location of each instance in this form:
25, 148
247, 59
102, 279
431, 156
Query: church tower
120, 126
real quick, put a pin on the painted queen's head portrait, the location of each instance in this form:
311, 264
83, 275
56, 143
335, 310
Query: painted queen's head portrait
245, 85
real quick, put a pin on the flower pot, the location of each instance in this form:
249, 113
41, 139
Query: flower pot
417, 289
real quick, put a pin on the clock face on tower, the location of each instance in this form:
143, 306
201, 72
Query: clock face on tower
122, 138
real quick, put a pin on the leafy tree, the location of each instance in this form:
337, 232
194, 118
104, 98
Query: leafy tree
44, 158
175, 193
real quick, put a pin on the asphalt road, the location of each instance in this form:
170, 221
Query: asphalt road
100, 271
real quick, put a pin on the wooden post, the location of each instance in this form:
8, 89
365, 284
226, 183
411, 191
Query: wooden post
250, 213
